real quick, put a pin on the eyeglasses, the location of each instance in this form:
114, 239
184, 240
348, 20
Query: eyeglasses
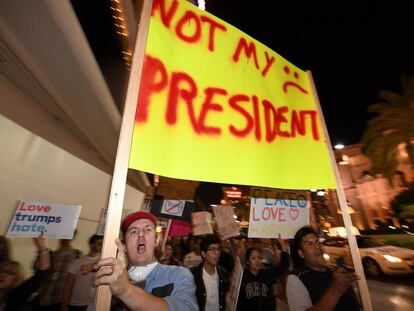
312, 243
214, 249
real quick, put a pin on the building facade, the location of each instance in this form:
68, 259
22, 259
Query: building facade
368, 196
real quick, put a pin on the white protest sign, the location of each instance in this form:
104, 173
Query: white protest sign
173, 207
233, 293
271, 217
55, 220
201, 222
226, 224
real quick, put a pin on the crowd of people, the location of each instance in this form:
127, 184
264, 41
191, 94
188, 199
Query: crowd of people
182, 273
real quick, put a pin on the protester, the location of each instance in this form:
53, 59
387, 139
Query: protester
78, 290
147, 284
4, 249
179, 252
15, 296
210, 278
280, 287
50, 298
226, 257
238, 249
256, 289
313, 286
167, 257
193, 258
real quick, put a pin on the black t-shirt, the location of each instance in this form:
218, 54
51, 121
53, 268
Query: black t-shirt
317, 282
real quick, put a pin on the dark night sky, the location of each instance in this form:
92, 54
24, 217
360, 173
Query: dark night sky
353, 48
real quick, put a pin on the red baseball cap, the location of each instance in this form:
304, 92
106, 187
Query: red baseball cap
136, 216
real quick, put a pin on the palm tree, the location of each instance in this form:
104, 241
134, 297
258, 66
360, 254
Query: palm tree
403, 206
392, 128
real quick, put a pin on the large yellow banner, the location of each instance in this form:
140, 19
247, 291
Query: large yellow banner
216, 105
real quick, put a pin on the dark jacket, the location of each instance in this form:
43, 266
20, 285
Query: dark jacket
19, 297
201, 293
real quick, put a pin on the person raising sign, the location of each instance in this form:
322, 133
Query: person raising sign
256, 288
145, 284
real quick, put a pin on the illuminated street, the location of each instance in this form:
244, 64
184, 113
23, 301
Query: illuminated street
392, 293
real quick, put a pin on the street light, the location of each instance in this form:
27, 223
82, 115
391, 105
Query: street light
320, 193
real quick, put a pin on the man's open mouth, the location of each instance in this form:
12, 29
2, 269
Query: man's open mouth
141, 248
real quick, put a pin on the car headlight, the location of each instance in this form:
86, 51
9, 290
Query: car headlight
326, 256
392, 258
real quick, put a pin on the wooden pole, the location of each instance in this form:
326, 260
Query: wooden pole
116, 197
167, 232
353, 246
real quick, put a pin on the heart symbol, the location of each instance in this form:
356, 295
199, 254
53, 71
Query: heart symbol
293, 213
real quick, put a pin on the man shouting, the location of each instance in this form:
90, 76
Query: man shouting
145, 284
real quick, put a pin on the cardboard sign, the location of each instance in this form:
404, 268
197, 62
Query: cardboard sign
233, 293
226, 224
271, 217
201, 222
54, 220
208, 86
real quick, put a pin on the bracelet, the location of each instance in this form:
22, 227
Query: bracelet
44, 251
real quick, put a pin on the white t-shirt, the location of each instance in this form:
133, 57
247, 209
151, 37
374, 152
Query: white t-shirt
83, 290
211, 284
191, 260
297, 294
